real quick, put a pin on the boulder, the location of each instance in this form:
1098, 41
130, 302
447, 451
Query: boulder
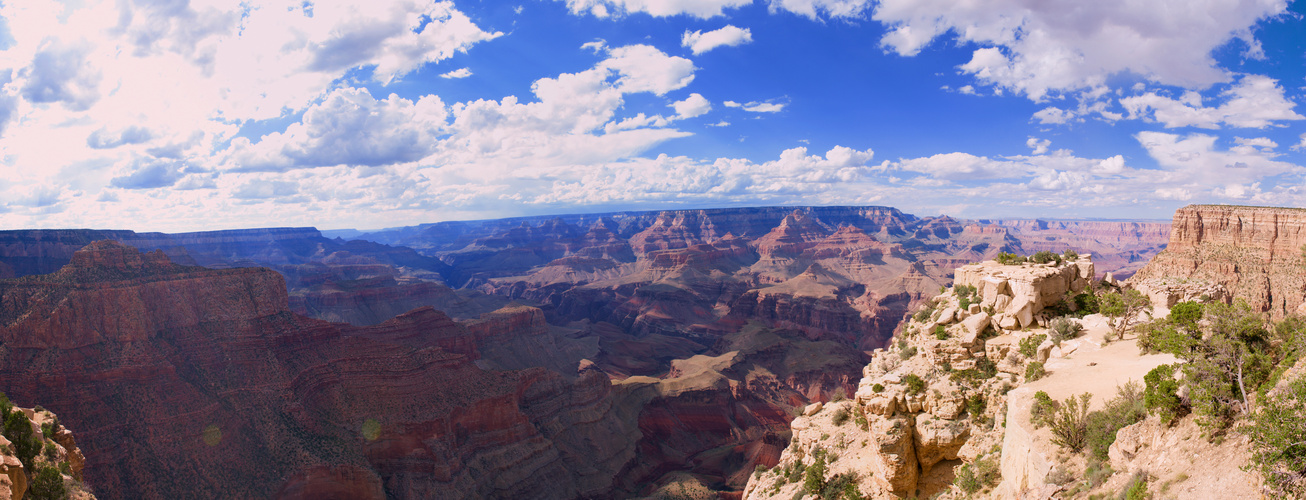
813, 409
972, 327
947, 316
1044, 351
938, 439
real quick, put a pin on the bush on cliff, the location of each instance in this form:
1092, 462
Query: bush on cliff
1044, 257
18, 430
1123, 410
1044, 408
1161, 393
914, 383
47, 485
1009, 259
1063, 329
1034, 371
1070, 424
1029, 345
982, 473
1278, 441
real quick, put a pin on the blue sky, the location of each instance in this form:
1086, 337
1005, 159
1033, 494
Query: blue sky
179, 116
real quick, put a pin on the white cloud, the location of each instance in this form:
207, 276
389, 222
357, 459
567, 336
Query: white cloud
1300, 146
1049, 47
1039, 146
757, 106
457, 73
1255, 102
642, 68
692, 106
1195, 159
1053, 115
813, 9
699, 42
703, 9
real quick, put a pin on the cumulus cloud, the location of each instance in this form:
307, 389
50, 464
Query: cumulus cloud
692, 106
1053, 115
643, 68
1195, 158
349, 127
757, 106
457, 73
699, 42
102, 138
59, 73
1039, 146
1049, 47
1254, 102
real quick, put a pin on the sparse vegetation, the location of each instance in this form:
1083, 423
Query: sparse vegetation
1009, 259
1029, 345
1278, 441
841, 416
1070, 423
965, 294
914, 383
940, 332
1063, 329
1044, 257
1123, 307
878, 387
975, 406
1070, 255
1136, 489
1125, 409
1034, 371
980, 474
924, 314
1043, 410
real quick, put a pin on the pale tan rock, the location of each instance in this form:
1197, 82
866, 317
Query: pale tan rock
1044, 351
938, 439
974, 309
972, 327
812, 409
1007, 321
895, 463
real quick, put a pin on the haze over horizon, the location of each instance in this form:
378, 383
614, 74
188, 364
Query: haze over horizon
187, 116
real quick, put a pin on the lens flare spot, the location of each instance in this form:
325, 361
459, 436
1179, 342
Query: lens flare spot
371, 429
212, 435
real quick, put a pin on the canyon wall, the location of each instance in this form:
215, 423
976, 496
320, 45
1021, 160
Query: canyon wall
191, 382
1254, 254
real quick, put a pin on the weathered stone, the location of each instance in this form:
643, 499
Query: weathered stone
896, 466
1007, 321
812, 409
939, 439
972, 327
1044, 351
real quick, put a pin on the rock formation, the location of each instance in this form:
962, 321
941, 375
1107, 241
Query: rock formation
190, 381
933, 398
1249, 253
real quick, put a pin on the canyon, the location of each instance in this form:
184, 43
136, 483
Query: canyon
593, 356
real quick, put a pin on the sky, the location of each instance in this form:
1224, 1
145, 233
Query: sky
176, 115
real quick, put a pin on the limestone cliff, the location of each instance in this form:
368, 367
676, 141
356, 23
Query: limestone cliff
1255, 253
935, 397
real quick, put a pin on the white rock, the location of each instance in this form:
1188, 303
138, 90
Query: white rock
812, 409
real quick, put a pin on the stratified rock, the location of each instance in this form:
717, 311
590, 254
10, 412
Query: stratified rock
1255, 253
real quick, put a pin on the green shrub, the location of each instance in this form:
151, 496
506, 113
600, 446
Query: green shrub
1070, 424
1071, 254
47, 485
878, 387
980, 474
841, 416
975, 406
924, 314
1123, 410
907, 353
1136, 489
1278, 441
814, 478
940, 332
1034, 371
1186, 314
1063, 329
1009, 259
1029, 345
1161, 393
48, 429
18, 429
1044, 257
914, 383
1086, 303
51, 452
1043, 410
861, 421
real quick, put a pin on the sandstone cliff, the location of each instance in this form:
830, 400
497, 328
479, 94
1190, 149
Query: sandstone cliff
1254, 253
197, 382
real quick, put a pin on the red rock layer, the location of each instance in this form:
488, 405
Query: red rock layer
1255, 252
200, 383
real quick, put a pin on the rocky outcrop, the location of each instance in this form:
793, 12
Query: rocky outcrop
1253, 253
1018, 293
190, 381
55, 449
